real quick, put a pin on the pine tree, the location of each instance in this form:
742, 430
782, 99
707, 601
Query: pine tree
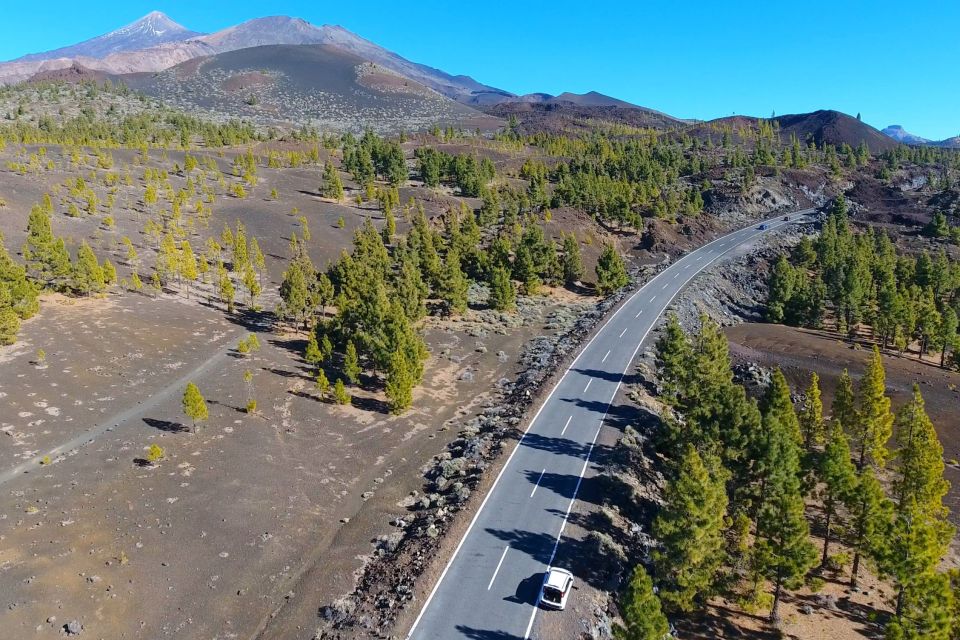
611, 271
572, 261
294, 293
389, 226
332, 185
916, 539
868, 506
454, 284
312, 354
322, 384
252, 284
503, 295
839, 476
927, 611
872, 427
690, 530
811, 415
194, 406
87, 274
188, 264
844, 409
227, 291
45, 255
674, 359
875, 424
400, 383
340, 394
351, 363
643, 618
783, 552
947, 332
9, 320
20, 293
109, 273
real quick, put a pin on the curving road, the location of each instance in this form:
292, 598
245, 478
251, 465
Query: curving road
488, 588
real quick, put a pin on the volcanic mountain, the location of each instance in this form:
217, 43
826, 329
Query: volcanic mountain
819, 127
323, 85
155, 43
149, 31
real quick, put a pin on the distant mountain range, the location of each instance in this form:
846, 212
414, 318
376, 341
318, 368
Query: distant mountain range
164, 58
900, 134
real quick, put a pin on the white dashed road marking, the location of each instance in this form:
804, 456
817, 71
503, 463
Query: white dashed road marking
538, 483
497, 570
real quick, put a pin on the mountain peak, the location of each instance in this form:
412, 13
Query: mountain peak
153, 29
155, 23
900, 134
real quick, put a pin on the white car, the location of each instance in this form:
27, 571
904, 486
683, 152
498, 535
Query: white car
557, 584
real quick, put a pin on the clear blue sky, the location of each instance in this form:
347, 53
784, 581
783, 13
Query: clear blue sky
896, 63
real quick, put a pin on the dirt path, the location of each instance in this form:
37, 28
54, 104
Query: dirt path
122, 417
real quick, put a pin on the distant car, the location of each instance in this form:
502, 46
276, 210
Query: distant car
762, 227
557, 584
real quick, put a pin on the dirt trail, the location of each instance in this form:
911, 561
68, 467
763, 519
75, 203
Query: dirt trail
121, 417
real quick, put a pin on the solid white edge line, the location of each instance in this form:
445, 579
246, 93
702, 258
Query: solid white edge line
497, 570
535, 487
533, 420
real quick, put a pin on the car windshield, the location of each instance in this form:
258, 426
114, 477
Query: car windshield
552, 594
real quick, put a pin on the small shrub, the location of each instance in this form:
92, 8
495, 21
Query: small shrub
45, 460
251, 406
155, 453
341, 223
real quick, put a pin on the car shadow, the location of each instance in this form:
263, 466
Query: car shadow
528, 590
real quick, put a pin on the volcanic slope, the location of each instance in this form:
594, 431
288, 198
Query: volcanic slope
321, 85
820, 127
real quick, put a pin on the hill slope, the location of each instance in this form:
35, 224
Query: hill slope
833, 127
319, 84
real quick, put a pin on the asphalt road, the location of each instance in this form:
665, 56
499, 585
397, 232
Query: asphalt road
488, 590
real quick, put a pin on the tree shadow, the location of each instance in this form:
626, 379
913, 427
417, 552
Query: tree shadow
538, 546
853, 611
610, 376
366, 403
715, 623
285, 373
166, 425
306, 396
484, 634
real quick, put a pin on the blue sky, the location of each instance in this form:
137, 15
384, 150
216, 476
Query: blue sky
895, 63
